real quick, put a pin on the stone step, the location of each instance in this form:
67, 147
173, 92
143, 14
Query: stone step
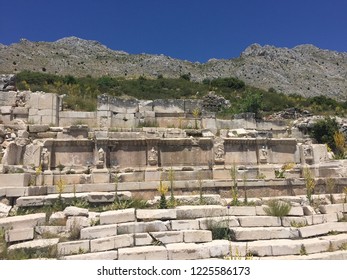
263, 233
322, 229
23, 221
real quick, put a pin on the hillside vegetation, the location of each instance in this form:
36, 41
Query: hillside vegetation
81, 93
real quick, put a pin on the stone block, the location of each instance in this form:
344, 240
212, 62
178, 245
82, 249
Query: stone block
168, 236
259, 221
35, 128
193, 212
75, 211
143, 253
57, 218
98, 231
130, 227
25, 221
336, 241
308, 210
42, 245
20, 111
333, 208
111, 243
241, 211
156, 214
5, 209
101, 197
286, 247
117, 216
142, 239
187, 251
16, 191
6, 110
321, 229
99, 177
316, 245
50, 230
108, 255
296, 211
184, 224
197, 236
19, 234
73, 247
213, 222
294, 221
261, 233
217, 248
15, 180
321, 218
74, 223
28, 201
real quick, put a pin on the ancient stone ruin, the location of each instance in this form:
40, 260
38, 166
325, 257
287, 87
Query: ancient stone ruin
128, 147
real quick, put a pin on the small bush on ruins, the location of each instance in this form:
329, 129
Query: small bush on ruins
277, 208
310, 184
162, 189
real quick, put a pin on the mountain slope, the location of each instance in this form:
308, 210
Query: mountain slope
305, 70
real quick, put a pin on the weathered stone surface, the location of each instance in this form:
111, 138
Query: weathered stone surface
333, 208
321, 218
75, 211
167, 237
108, 255
184, 224
19, 234
5, 209
193, 212
187, 251
97, 197
217, 248
117, 216
27, 201
261, 233
259, 221
76, 223
142, 239
73, 247
57, 218
321, 229
143, 253
24, 221
197, 236
111, 243
296, 211
241, 211
336, 241
35, 244
35, 128
50, 230
308, 210
212, 222
294, 221
131, 227
14, 180
98, 231
156, 214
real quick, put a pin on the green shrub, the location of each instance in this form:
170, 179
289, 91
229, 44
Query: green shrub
277, 208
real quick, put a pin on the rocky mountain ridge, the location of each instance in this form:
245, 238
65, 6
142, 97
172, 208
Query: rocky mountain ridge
305, 69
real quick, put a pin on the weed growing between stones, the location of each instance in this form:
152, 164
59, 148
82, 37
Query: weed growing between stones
237, 254
277, 208
310, 184
330, 184
202, 200
162, 189
171, 175
344, 190
234, 187
298, 224
303, 251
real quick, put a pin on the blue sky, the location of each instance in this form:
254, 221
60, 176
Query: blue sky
195, 30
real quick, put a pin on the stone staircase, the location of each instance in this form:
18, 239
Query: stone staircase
185, 232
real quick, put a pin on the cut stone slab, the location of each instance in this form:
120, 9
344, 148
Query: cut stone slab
75, 211
39, 245
28, 201
50, 230
241, 211
184, 224
200, 211
24, 221
77, 223
57, 218
187, 251
111, 243
322, 229
73, 247
117, 216
142, 239
321, 218
143, 253
101, 197
5, 209
259, 221
333, 208
261, 233
294, 221
197, 236
315, 245
19, 234
217, 248
168, 236
109, 255
212, 222
98, 231
156, 214
296, 211
336, 241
